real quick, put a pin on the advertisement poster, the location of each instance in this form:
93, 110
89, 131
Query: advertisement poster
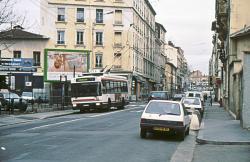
64, 63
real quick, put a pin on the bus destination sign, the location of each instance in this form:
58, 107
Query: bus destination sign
85, 79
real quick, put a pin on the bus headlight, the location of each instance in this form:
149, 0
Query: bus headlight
98, 104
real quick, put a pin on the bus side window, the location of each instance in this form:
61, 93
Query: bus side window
108, 86
104, 87
112, 90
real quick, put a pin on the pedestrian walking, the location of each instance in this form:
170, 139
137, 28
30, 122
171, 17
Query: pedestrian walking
205, 97
211, 101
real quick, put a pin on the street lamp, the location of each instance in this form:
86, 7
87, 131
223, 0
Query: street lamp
63, 79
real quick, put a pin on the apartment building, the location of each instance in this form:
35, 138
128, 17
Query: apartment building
171, 53
114, 35
232, 34
159, 56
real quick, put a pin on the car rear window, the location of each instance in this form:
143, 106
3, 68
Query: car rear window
191, 101
163, 108
158, 94
197, 95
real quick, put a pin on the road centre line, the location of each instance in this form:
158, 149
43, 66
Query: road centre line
70, 121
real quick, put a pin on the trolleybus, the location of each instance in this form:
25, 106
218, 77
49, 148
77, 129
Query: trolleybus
99, 91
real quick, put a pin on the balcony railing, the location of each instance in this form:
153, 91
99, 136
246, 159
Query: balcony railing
118, 22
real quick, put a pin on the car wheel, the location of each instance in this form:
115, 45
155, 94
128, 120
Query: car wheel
23, 108
143, 133
187, 132
182, 136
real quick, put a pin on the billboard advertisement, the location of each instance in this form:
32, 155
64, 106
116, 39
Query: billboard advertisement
65, 63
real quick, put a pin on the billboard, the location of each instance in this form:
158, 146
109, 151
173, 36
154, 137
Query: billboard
65, 62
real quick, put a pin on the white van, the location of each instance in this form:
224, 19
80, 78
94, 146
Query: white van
195, 94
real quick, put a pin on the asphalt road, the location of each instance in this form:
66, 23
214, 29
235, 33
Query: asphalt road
90, 137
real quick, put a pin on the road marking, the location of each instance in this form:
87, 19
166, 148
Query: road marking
137, 111
3, 148
70, 121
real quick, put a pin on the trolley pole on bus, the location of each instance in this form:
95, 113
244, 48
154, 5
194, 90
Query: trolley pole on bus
63, 79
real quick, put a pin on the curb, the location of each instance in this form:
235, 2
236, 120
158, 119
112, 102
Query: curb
54, 116
23, 122
204, 141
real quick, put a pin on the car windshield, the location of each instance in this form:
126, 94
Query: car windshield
191, 101
163, 108
10, 95
29, 94
158, 94
178, 95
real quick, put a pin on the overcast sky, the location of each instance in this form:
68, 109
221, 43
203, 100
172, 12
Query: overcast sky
188, 25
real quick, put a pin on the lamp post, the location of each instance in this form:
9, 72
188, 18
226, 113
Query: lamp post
92, 34
63, 79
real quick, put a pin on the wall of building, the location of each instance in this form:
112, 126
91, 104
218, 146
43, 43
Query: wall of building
239, 14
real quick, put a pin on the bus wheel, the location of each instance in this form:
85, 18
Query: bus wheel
122, 104
109, 105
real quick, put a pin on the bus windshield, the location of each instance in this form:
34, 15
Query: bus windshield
86, 89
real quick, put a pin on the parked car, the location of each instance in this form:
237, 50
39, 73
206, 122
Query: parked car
193, 102
165, 116
178, 97
7, 98
159, 95
28, 96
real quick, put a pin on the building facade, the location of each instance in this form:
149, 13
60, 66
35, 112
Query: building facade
114, 35
171, 53
22, 59
232, 48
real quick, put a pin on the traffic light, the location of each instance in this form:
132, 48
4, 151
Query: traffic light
3, 84
7, 80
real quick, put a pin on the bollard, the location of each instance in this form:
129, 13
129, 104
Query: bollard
220, 102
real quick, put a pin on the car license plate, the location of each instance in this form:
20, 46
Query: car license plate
161, 129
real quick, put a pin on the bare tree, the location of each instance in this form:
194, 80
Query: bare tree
7, 15
8, 19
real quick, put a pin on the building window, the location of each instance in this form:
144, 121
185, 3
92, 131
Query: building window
79, 37
117, 60
118, 17
60, 37
37, 58
99, 15
17, 54
80, 15
61, 14
98, 60
99, 38
118, 39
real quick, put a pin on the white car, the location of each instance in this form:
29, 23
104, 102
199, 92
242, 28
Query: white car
165, 116
193, 102
28, 96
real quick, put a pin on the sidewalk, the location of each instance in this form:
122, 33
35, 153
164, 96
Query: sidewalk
219, 128
6, 120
